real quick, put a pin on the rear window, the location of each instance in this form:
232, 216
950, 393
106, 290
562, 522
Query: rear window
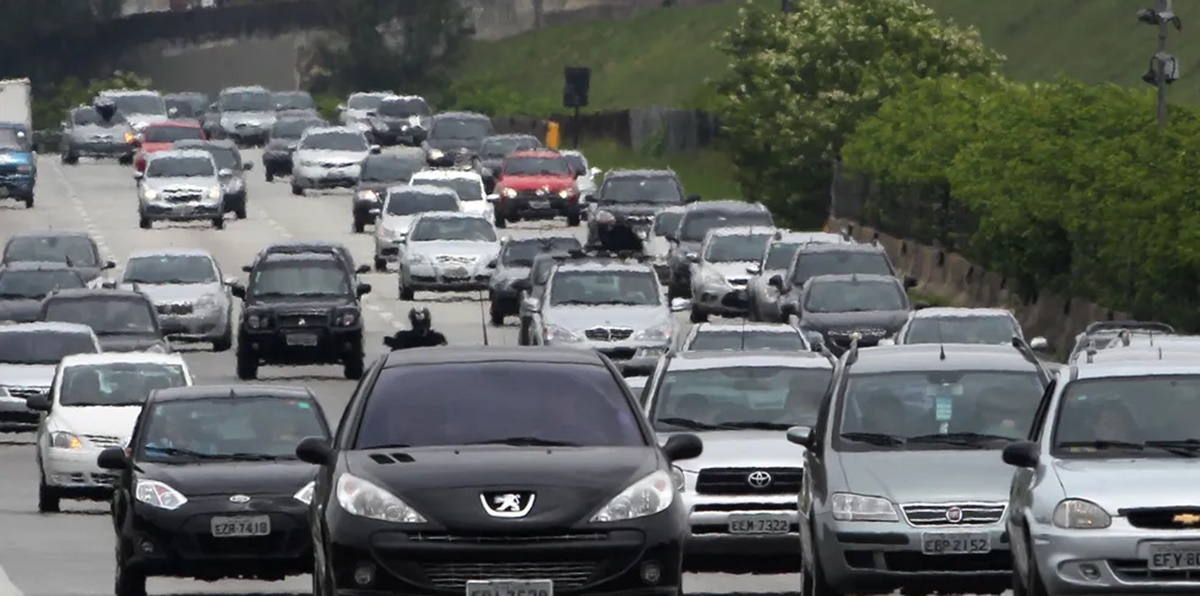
733, 340
249, 427
696, 224
461, 404
810, 265
170, 134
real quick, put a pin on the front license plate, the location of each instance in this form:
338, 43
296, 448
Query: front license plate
241, 527
507, 587
945, 543
302, 339
457, 273
539, 204
759, 524
185, 209
1173, 556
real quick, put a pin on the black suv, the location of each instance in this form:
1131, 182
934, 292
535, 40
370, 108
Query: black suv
514, 265
694, 225
123, 320
816, 259
455, 138
403, 120
304, 246
625, 205
549, 481
298, 309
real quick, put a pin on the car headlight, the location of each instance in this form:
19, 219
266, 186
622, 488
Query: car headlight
509, 193
1078, 514
159, 494
368, 195
208, 302
566, 194
346, 318
149, 194
364, 499
416, 258
305, 495
554, 333
436, 154
852, 507
647, 496
257, 321
605, 217
678, 479
215, 193
129, 138
660, 333
65, 440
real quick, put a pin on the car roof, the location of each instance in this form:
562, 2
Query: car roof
727, 205
484, 354
793, 237
122, 357
511, 136
181, 153
176, 124
372, 94
639, 173
129, 92
169, 252
1082, 372
603, 264
447, 175
550, 239
185, 95
1145, 353
544, 153
928, 357
847, 247
245, 88
449, 215
292, 93
301, 245
461, 116
852, 278
763, 230
300, 257
710, 359
206, 143
37, 266
748, 327
231, 391
399, 97
950, 312
408, 154
424, 189
50, 234
71, 293
46, 327
316, 130
672, 209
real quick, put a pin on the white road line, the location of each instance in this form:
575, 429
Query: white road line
80, 208
7, 588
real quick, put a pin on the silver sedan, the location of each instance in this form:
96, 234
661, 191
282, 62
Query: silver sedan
192, 300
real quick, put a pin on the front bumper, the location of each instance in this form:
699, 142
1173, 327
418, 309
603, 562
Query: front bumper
444, 278
730, 300
74, 474
188, 211
332, 346
711, 544
308, 176
538, 206
17, 186
194, 326
1117, 557
108, 149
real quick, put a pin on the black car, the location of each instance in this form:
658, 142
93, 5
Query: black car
624, 206
123, 320
550, 480
379, 172
24, 285
77, 249
282, 141
816, 259
187, 105
306, 246
294, 100
455, 138
842, 308
694, 225
297, 309
495, 148
514, 264
402, 120
210, 486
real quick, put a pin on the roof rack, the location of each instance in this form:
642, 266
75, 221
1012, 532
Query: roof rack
1132, 326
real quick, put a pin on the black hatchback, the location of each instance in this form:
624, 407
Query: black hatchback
496, 471
210, 486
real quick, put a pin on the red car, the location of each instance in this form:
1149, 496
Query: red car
536, 184
161, 136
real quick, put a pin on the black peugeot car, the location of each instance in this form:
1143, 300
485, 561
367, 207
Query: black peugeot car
210, 486
298, 309
549, 480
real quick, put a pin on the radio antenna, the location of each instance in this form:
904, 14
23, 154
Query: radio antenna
743, 333
483, 319
941, 341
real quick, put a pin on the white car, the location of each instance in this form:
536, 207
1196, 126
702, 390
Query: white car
93, 404
329, 157
585, 176
447, 252
401, 206
359, 107
468, 185
28, 354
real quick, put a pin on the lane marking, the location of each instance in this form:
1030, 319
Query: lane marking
7, 588
88, 223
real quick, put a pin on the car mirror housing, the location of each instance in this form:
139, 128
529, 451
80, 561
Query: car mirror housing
683, 446
801, 435
315, 450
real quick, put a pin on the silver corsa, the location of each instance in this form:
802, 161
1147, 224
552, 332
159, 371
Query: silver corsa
29, 354
180, 185
231, 169
329, 158
447, 252
244, 115
193, 301
720, 270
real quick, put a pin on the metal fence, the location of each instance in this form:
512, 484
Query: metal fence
654, 129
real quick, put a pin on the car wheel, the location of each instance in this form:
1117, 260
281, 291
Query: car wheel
72, 159
573, 219
500, 221
144, 222
497, 318
1031, 584
127, 579
407, 294
698, 316
269, 175
353, 367
223, 343
812, 582
219, 222
48, 502
29, 202
240, 212
380, 264
297, 189
523, 334
247, 365
359, 225
125, 160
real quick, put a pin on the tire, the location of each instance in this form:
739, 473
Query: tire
573, 220
497, 318
29, 202
1032, 584
698, 316
813, 583
127, 580
71, 159
240, 212
406, 294
269, 175
48, 502
144, 222
500, 221
125, 160
359, 225
223, 343
380, 264
247, 365
219, 222
353, 368
296, 189
523, 334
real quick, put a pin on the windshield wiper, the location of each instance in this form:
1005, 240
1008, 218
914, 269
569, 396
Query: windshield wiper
1184, 447
86, 404
251, 456
526, 442
688, 423
960, 438
179, 452
756, 425
873, 438
575, 303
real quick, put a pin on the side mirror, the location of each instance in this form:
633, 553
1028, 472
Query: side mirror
389, 341
590, 199
376, 149
247, 166
1022, 454
680, 304
38, 403
492, 264
493, 198
753, 270
230, 281
801, 435
1039, 344
341, 107
521, 285
238, 290
112, 458
225, 172
692, 257
920, 305
315, 450
109, 265
594, 171
363, 289
363, 269
247, 268
683, 446
693, 199
139, 175
776, 282
910, 282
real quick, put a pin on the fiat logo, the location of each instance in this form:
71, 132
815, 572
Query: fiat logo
759, 479
954, 515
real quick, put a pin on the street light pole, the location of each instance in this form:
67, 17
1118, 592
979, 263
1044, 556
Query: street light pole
1164, 69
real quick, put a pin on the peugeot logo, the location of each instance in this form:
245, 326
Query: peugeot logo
507, 504
302, 322
239, 499
759, 479
954, 515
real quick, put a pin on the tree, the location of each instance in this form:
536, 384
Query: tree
47, 40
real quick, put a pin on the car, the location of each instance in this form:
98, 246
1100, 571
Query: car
763, 297
189, 105
244, 115
744, 336
18, 163
210, 487
838, 310
180, 185
530, 486
162, 136
585, 175
188, 291
468, 186
124, 320
292, 247
1149, 350
514, 264
627, 202
1101, 334
445, 251
404, 119
822, 258
29, 353
294, 100
23, 285
963, 326
329, 157
139, 107
402, 204
609, 305
1102, 498
902, 487
534, 287
657, 245
741, 492
77, 250
298, 309
720, 270
537, 184
360, 108
694, 226
94, 402
378, 173
637, 385
455, 138
495, 148
282, 142
230, 169
85, 133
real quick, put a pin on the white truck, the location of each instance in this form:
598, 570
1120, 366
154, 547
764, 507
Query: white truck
16, 102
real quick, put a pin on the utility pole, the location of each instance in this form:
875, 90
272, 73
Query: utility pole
1164, 68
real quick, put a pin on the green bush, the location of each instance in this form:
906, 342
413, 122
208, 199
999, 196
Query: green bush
51, 102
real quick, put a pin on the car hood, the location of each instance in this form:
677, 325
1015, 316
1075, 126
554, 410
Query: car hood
233, 478
578, 318
167, 293
742, 449
129, 342
730, 270
184, 183
332, 157
115, 421
116, 131
144, 120
451, 145
445, 484
20, 311
1115, 484
483, 250
248, 117
27, 375
554, 183
889, 320
902, 476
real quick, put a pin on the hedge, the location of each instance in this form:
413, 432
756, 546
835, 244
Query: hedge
1072, 187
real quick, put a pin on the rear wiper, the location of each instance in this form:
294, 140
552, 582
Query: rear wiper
1185, 447
526, 442
179, 452
688, 423
873, 438
961, 438
755, 425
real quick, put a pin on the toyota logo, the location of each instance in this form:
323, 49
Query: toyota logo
759, 479
954, 515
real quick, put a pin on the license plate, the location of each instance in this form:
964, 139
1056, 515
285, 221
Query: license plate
506, 587
302, 339
759, 524
240, 527
185, 209
945, 543
457, 273
539, 204
1173, 556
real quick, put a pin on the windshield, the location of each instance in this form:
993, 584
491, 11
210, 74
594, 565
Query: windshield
170, 134
463, 229
12, 139
183, 108
402, 108
1154, 416
667, 222
247, 101
630, 189
937, 405
227, 158
117, 383
762, 397
635, 288
780, 256
854, 296
336, 141
412, 203
810, 265
292, 128
697, 224
467, 189
90, 117
76, 251
520, 253
140, 104
384, 168
750, 340
35, 284
106, 316
536, 166
180, 167
294, 100
365, 101
962, 330
542, 269
521, 403
300, 278
463, 129
249, 427
171, 269
43, 347
576, 162
731, 249
501, 148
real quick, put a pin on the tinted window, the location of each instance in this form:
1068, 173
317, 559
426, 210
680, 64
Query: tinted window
117, 383
501, 147
743, 396
459, 404
750, 340
43, 347
467, 189
336, 141
227, 158
247, 101
170, 269
667, 222
299, 278
636, 288
364, 102
1157, 414
89, 116
412, 203
180, 167
105, 315
541, 270
292, 128
854, 296
170, 134
632, 189
727, 249
520, 253
576, 162
73, 250
246, 426
13, 140
536, 166
380, 168
36, 284
697, 223
140, 104
462, 129
466, 229
294, 100
183, 108
400, 108
962, 330
780, 255
810, 265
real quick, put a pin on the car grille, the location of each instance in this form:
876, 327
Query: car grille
531, 539
607, 333
566, 575
738, 282
1163, 518
303, 320
105, 440
535, 195
455, 260
182, 195
972, 514
335, 164
174, 309
736, 481
101, 138
27, 392
1137, 570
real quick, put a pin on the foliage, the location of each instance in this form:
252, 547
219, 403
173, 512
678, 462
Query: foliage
801, 82
45, 40
52, 101
492, 96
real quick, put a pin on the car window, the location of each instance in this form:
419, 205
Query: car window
89, 116
292, 128
667, 222
227, 158
697, 224
117, 383
43, 347
536, 166
1102, 417
412, 203
853, 296
459, 404
403, 107
995, 329
246, 101
104, 315
576, 162
248, 426
181, 167
335, 141
739, 396
35, 284
170, 134
364, 102
584, 288
780, 255
810, 265
326, 277
750, 340
77, 251
642, 189
170, 269
140, 104
730, 249
381, 168
521, 253
467, 189
500, 148
466, 129
460, 229
294, 100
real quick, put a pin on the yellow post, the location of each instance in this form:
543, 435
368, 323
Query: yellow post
553, 135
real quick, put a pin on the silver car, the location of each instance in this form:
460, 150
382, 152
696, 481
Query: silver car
244, 115
658, 245
742, 490
903, 484
180, 185
329, 157
87, 134
447, 252
719, 272
744, 336
401, 206
1104, 498
1102, 334
585, 176
29, 353
359, 108
186, 287
776, 259
140, 107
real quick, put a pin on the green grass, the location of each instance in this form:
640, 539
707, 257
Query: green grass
707, 173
